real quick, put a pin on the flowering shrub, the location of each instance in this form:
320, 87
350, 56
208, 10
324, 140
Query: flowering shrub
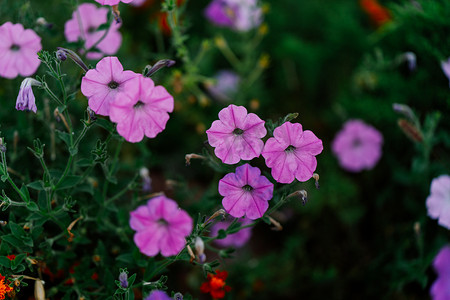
192, 149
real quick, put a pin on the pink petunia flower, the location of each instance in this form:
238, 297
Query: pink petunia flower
107, 82
18, 51
291, 153
440, 290
237, 239
112, 2
157, 295
438, 202
84, 24
146, 113
226, 85
138, 2
246, 192
240, 15
237, 135
160, 227
357, 146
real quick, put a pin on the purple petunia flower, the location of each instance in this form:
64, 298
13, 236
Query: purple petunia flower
107, 82
445, 65
246, 192
440, 290
291, 153
236, 135
237, 239
84, 24
226, 85
112, 2
18, 51
357, 146
25, 98
146, 113
438, 202
160, 227
157, 295
241, 15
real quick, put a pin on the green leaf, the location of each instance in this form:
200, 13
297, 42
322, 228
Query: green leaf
5, 262
68, 182
84, 162
103, 26
36, 185
221, 234
11, 239
19, 258
32, 206
105, 124
64, 136
131, 280
26, 193
17, 230
4, 177
18, 268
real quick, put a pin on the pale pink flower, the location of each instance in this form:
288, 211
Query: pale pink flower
440, 290
246, 192
83, 26
146, 113
160, 227
18, 51
438, 202
291, 153
237, 239
236, 135
107, 82
112, 2
357, 146
240, 15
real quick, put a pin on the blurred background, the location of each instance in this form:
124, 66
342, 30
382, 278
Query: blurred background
363, 235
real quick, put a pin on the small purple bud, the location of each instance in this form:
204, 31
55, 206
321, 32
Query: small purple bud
92, 115
411, 59
158, 66
404, 110
25, 98
73, 56
61, 55
146, 180
2, 146
123, 279
178, 296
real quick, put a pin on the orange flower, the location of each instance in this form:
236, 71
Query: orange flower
377, 13
4, 287
216, 285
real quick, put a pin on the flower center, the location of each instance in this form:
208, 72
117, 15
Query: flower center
139, 104
91, 29
238, 131
113, 85
15, 47
356, 143
247, 188
290, 149
162, 222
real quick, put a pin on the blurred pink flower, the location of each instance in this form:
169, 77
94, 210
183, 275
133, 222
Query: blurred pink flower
160, 227
291, 153
226, 85
83, 26
138, 2
438, 202
112, 2
25, 98
445, 65
146, 113
157, 295
440, 290
357, 146
246, 192
107, 82
237, 239
241, 15
18, 51
237, 135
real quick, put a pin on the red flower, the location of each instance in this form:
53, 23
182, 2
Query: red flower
11, 257
4, 287
377, 13
216, 285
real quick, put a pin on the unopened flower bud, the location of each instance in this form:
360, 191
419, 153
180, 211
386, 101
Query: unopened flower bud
188, 158
199, 247
191, 253
178, 296
146, 180
123, 279
410, 130
303, 196
61, 55
39, 291
404, 110
316, 178
116, 13
158, 66
74, 57
220, 212
91, 114
2, 146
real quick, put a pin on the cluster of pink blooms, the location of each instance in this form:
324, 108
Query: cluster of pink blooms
438, 202
357, 146
18, 51
131, 100
160, 227
237, 135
